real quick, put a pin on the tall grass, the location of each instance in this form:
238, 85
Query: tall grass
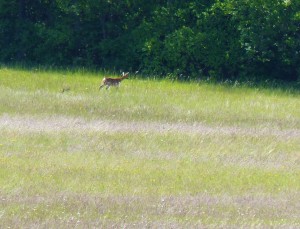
93, 178
125, 179
36, 92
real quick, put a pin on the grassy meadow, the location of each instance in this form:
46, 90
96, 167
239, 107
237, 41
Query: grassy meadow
151, 154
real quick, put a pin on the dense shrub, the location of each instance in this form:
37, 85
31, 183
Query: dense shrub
221, 39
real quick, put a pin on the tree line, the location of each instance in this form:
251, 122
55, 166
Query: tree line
220, 39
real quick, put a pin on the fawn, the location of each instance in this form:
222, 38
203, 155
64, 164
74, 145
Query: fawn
107, 81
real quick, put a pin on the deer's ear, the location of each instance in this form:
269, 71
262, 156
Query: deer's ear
123, 74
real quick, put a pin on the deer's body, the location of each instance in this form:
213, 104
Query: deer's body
107, 81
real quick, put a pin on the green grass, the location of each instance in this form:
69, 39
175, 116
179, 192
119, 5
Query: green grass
37, 92
135, 178
161, 164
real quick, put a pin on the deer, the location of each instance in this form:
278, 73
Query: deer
107, 81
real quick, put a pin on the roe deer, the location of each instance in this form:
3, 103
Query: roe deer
107, 81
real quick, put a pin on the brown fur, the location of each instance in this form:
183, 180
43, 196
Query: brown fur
107, 81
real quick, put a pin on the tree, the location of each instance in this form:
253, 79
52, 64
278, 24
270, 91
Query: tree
222, 39
269, 35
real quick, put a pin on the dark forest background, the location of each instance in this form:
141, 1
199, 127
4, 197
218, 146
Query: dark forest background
229, 39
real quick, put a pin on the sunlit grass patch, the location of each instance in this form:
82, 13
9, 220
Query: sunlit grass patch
240, 170
28, 92
123, 163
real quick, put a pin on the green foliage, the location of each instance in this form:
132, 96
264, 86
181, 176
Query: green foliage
228, 39
269, 34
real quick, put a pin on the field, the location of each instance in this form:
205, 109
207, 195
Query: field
151, 154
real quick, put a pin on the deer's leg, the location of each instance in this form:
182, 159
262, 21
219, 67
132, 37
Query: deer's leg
101, 86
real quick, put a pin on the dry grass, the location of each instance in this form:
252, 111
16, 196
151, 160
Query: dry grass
82, 210
115, 179
64, 123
